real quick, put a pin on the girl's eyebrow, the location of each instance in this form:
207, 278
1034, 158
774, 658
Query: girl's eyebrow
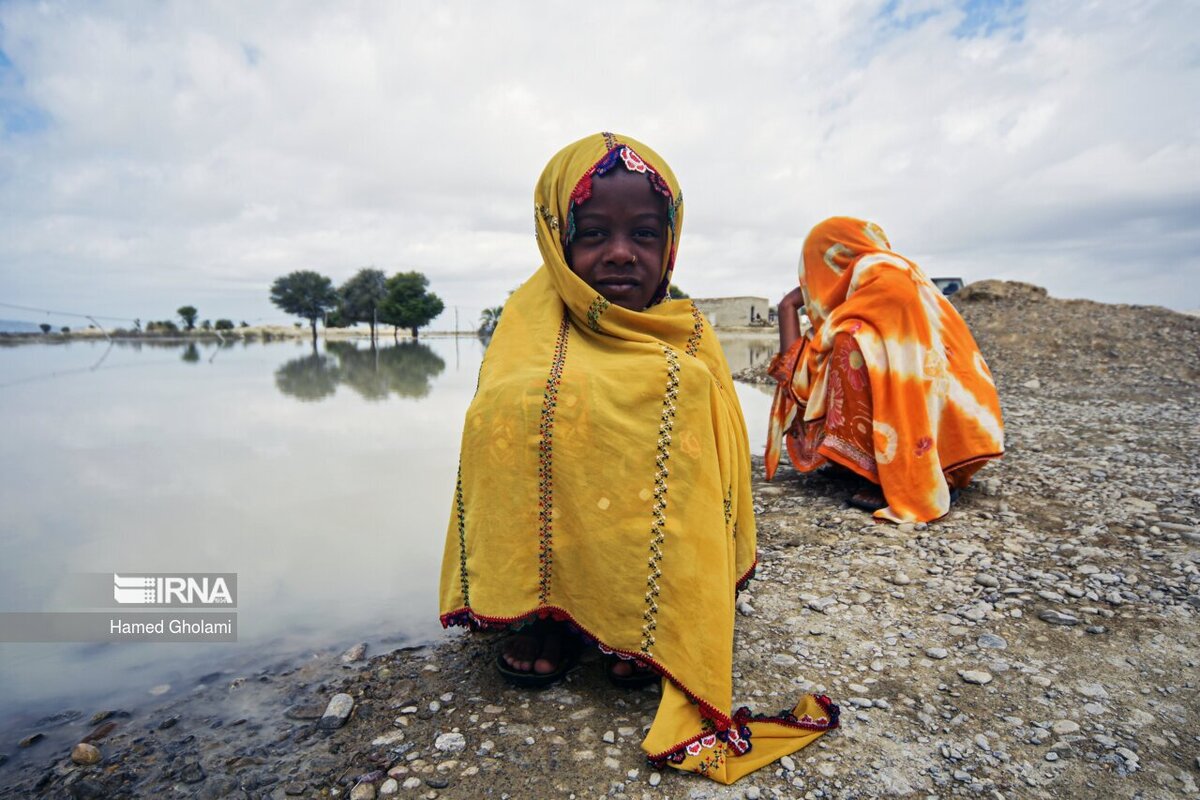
655, 215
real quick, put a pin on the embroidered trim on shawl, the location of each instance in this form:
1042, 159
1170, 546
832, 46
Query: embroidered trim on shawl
544, 212
785, 717
620, 154
716, 723
850, 452
460, 510
598, 307
737, 735
545, 464
610, 141
728, 503
693, 342
657, 536
744, 581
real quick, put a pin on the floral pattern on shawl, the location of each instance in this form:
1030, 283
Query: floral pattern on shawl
935, 407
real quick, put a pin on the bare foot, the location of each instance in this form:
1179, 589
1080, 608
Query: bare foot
551, 653
539, 652
520, 652
622, 668
628, 669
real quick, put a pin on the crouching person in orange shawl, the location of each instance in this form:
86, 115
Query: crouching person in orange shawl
888, 384
604, 482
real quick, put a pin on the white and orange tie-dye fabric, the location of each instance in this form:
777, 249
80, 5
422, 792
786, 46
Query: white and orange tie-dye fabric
935, 407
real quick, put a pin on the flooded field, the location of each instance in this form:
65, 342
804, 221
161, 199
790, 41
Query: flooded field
323, 479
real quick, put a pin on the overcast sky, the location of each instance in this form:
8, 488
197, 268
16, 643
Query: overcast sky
157, 154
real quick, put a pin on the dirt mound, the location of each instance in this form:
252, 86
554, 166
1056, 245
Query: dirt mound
1120, 351
1094, 349
999, 290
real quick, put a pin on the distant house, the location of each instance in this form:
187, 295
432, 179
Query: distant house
948, 285
734, 312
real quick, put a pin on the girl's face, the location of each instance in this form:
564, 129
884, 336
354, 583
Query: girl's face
620, 235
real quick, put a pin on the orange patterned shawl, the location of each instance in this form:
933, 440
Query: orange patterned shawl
935, 405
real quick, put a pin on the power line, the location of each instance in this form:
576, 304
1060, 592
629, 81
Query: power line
66, 313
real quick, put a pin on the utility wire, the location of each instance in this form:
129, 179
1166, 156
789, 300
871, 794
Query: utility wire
65, 313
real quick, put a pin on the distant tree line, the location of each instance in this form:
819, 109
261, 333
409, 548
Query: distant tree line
187, 315
402, 301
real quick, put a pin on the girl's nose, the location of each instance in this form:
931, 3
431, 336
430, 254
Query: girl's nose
621, 250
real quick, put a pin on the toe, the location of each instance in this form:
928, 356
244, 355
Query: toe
550, 656
519, 653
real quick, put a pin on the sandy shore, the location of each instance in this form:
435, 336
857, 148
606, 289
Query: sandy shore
1041, 641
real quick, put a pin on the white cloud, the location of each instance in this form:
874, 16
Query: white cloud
177, 153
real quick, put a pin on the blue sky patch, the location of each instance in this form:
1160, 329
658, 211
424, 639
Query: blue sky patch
980, 17
988, 17
18, 114
900, 19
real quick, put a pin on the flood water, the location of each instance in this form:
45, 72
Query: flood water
323, 480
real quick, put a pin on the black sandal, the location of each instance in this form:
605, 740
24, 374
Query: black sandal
857, 500
537, 680
866, 500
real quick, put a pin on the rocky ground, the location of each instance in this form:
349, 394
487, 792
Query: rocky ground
1041, 641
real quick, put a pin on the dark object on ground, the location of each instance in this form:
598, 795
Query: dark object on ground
640, 678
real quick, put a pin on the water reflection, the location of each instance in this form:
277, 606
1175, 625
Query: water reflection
743, 351
308, 378
404, 370
104, 420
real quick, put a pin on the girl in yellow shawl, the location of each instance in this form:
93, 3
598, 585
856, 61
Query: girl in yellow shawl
604, 482
889, 384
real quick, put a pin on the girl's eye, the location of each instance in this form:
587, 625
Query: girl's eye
590, 233
646, 233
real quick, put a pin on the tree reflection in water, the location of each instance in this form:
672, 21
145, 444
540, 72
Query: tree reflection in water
308, 378
405, 370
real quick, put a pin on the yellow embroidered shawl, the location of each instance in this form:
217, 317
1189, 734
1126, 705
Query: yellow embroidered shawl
934, 403
605, 481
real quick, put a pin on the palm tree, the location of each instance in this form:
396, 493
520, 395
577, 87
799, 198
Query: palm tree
489, 319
